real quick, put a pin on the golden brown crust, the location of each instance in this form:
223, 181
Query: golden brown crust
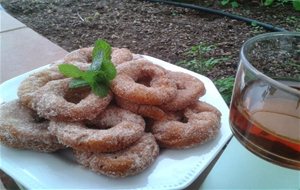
121, 55
32, 83
202, 124
148, 111
84, 55
119, 128
19, 128
125, 85
49, 102
35, 81
129, 161
189, 90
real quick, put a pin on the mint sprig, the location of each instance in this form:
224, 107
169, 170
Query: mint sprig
99, 74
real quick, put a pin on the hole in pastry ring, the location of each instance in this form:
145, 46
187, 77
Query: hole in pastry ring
160, 90
20, 128
49, 102
36, 80
203, 124
125, 129
129, 161
189, 89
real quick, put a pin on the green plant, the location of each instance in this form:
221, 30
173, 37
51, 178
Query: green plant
233, 3
199, 61
295, 3
225, 87
256, 28
200, 49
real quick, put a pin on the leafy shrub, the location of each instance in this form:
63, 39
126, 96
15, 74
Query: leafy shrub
225, 87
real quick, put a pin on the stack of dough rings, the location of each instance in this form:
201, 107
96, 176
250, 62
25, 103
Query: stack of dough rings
148, 108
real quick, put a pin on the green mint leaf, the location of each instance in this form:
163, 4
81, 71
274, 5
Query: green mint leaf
89, 76
70, 70
109, 69
76, 83
101, 77
100, 89
101, 52
100, 73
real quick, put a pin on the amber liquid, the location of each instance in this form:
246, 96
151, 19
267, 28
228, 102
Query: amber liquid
267, 122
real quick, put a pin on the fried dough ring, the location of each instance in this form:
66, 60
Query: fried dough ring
158, 89
203, 124
20, 128
129, 161
125, 129
121, 55
36, 80
189, 89
49, 102
84, 55
148, 111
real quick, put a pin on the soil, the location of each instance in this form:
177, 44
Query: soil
162, 31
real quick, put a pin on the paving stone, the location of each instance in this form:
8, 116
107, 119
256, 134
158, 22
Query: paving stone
8, 22
23, 50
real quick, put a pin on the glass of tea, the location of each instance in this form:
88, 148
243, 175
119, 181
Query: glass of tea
265, 105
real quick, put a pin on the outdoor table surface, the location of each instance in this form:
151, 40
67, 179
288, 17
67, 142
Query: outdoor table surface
22, 50
238, 168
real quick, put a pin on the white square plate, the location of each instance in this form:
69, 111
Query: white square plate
173, 169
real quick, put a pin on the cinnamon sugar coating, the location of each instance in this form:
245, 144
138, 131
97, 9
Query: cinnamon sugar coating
49, 102
149, 111
21, 128
196, 125
35, 81
126, 162
189, 90
154, 89
113, 130
118, 55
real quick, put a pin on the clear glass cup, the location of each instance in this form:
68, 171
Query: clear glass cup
265, 105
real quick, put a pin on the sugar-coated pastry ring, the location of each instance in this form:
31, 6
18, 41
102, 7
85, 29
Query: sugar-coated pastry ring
127, 162
149, 111
84, 55
189, 90
199, 123
120, 55
21, 128
49, 102
117, 129
38, 79
155, 88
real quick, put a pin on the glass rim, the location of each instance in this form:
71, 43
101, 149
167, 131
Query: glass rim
258, 73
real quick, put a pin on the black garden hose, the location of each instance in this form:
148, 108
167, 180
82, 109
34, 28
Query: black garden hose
222, 13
